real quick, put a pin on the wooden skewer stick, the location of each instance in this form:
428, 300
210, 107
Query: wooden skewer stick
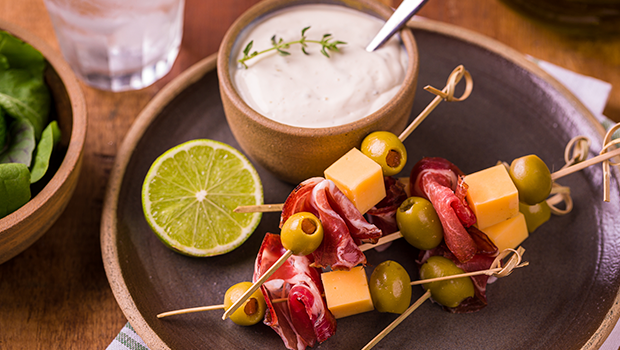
257, 284
397, 321
383, 240
446, 94
263, 208
488, 272
496, 269
586, 163
205, 308
190, 310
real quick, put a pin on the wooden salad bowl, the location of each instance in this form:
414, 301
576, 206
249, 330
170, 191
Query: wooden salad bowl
24, 226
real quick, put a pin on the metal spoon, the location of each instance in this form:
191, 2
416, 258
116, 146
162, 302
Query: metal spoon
402, 14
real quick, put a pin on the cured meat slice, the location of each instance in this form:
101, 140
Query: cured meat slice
480, 261
344, 226
304, 319
383, 215
440, 181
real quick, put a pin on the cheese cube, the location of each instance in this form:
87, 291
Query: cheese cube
492, 196
359, 178
509, 233
347, 292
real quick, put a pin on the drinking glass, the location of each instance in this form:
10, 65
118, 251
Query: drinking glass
118, 45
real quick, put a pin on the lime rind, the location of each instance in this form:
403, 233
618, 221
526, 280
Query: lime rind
189, 194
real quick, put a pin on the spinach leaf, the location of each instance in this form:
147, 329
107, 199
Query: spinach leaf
14, 187
21, 144
18, 54
2, 131
49, 139
25, 96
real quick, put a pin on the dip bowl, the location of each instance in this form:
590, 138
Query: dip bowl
292, 153
51, 194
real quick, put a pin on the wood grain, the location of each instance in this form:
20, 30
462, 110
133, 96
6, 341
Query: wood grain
55, 295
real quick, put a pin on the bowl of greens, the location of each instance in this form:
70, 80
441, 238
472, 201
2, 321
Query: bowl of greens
42, 134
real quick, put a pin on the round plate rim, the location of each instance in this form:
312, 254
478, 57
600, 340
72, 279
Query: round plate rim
197, 71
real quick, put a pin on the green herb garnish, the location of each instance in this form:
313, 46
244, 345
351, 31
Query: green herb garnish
280, 46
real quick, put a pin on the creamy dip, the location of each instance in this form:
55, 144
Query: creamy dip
314, 91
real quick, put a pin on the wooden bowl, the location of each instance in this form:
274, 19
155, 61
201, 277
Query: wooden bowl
292, 153
23, 227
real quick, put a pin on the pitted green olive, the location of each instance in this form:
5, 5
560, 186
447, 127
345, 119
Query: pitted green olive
532, 178
390, 287
387, 150
535, 215
450, 292
251, 311
418, 222
302, 233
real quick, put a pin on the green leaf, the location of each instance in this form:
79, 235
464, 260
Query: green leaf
26, 97
247, 49
3, 131
21, 143
49, 139
303, 31
14, 187
21, 55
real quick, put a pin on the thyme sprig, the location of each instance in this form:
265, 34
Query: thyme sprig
280, 46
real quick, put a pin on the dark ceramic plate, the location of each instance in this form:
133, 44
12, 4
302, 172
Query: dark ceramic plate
566, 299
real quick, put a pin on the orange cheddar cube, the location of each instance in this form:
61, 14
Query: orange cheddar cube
509, 233
359, 178
492, 196
347, 292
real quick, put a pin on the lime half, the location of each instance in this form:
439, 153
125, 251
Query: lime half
189, 195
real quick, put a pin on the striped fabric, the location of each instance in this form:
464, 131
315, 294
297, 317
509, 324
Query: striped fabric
127, 339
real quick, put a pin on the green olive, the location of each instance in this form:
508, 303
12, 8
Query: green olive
387, 150
251, 311
450, 292
418, 222
390, 287
535, 215
532, 178
302, 233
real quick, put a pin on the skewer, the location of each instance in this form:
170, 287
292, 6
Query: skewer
446, 94
257, 284
398, 320
263, 208
301, 234
605, 155
205, 308
586, 163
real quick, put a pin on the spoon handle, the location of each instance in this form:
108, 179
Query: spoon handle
402, 14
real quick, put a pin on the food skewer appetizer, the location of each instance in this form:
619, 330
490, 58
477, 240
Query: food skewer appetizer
384, 155
307, 191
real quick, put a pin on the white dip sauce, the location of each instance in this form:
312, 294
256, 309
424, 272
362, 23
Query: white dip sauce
314, 91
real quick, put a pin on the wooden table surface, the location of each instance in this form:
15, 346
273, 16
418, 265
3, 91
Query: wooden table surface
55, 295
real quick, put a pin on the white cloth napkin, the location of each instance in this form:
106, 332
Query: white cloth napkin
592, 92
